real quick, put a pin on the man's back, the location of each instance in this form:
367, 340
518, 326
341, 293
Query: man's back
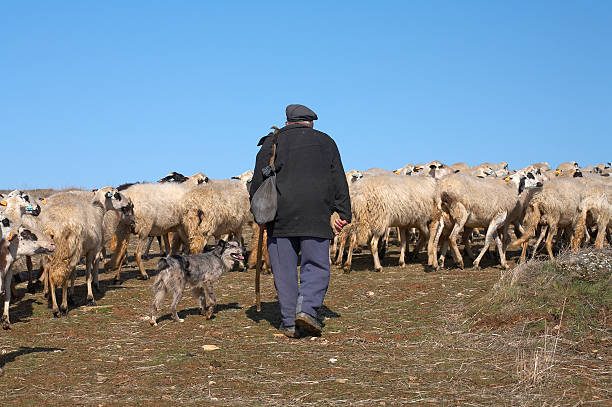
310, 182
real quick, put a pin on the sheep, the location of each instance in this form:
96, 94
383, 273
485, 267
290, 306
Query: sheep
191, 181
76, 227
213, 209
18, 205
156, 212
380, 202
17, 241
437, 170
555, 206
461, 167
596, 201
405, 170
471, 202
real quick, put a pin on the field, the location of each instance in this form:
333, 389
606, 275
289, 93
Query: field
399, 337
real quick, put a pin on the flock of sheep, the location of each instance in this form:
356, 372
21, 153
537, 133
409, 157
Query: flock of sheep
433, 203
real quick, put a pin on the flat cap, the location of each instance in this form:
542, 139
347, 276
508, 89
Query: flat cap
300, 113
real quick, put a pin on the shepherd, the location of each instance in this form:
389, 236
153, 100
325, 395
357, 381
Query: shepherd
311, 185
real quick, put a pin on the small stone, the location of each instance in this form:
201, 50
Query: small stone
333, 360
209, 348
370, 293
341, 381
120, 359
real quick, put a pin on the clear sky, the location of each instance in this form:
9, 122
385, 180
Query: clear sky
97, 93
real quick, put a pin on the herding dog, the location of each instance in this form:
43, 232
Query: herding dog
200, 271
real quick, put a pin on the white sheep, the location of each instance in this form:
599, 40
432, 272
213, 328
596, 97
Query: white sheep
381, 202
76, 228
17, 241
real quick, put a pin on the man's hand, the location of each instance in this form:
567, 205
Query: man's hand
339, 224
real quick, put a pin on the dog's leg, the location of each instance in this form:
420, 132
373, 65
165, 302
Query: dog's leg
178, 295
210, 300
199, 296
159, 293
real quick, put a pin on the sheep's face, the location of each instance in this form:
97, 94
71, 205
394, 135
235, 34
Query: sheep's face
5, 226
21, 200
30, 243
111, 199
245, 177
199, 178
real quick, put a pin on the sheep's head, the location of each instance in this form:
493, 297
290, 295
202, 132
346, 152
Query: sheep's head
353, 175
174, 177
245, 177
6, 227
111, 199
20, 201
28, 242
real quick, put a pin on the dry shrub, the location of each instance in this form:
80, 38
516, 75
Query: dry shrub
534, 293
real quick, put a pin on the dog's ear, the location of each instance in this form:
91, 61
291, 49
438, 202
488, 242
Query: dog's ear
222, 244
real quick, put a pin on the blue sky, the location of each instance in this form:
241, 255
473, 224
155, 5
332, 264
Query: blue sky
101, 93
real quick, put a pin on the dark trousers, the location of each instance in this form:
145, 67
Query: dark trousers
308, 295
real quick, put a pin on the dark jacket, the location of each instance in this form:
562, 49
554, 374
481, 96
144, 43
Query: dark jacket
310, 181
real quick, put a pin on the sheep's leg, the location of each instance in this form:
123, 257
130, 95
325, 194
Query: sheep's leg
333, 248
8, 278
402, 238
139, 248
167, 247
443, 251
31, 287
96, 268
543, 230
178, 295
602, 225
349, 255
54, 307
70, 297
146, 251
467, 245
433, 230
64, 305
210, 299
549, 240
340, 250
374, 250
501, 251
459, 224
434, 244
119, 266
491, 233
423, 237
88, 277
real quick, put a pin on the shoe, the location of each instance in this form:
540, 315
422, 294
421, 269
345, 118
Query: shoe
288, 331
308, 323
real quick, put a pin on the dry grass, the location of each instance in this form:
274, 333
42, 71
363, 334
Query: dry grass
401, 337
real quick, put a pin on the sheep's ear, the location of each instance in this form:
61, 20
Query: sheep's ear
3, 203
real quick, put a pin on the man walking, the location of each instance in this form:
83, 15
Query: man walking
311, 185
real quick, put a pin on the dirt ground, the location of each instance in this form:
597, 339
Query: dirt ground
402, 336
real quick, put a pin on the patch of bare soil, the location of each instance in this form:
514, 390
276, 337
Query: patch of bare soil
402, 336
